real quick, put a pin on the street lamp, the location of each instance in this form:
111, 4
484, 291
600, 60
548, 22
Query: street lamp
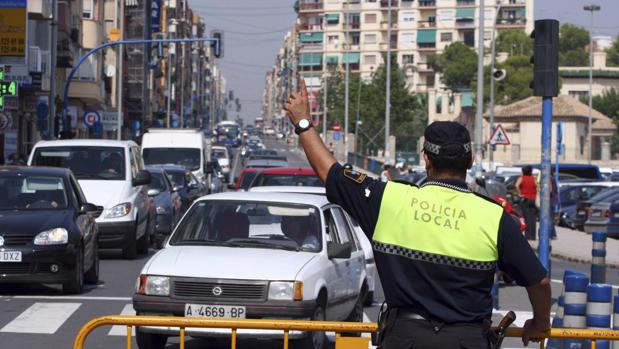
591, 8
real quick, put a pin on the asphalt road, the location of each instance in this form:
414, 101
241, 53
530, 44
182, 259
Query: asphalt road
40, 316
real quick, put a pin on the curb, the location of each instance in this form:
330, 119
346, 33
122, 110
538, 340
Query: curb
579, 259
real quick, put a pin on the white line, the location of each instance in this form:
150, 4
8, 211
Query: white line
42, 318
122, 330
75, 298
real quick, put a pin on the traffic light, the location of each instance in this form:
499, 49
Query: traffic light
218, 43
546, 58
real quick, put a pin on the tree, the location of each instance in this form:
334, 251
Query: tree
458, 65
612, 60
514, 42
573, 42
608, 103
515, 86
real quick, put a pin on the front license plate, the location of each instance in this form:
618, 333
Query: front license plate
214, 311
10, 256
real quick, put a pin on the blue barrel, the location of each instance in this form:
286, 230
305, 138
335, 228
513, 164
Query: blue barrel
599, 309
575, 306
616, 319
598, 257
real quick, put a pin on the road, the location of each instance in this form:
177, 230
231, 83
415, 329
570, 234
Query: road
39, 316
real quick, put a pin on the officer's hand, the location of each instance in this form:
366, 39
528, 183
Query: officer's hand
533, 331
297, 105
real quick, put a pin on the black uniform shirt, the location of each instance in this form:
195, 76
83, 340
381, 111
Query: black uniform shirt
361, 197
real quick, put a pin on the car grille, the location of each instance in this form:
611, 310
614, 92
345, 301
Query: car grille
230, 290
17, 240
14, 268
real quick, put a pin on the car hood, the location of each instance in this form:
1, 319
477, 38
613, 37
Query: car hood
103, 193
34, 221
228, 262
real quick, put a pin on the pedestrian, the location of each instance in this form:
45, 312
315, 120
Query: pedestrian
386, 174
436, 246
527, 191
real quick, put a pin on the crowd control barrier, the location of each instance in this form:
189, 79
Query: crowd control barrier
593, 335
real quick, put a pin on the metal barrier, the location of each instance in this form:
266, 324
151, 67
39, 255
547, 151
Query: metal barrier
291, 325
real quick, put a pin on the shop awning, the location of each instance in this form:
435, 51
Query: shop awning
332, 18
332, 60
465, 13
310, 37
351, 57
310, 59
427, 36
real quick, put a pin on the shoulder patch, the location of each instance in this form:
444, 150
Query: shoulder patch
354, 176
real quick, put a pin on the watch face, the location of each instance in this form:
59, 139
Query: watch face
304, 123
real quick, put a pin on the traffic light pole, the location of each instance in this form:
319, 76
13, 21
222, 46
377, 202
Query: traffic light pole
66, 123
545, 219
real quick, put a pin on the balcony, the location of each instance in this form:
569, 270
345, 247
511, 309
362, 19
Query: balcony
310, 6
510, 3
426, 46
353, 25
427, 4
311, 26
427, 24
393, 46
465, 3
384, 25
511, 22
385, 3
465, 24
39, 9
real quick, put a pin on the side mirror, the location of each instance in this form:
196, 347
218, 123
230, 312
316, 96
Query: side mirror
141, 178
153, 192
335, 250
176, 188
232, 186
89, 208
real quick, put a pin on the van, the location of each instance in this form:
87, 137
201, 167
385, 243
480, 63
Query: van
183, 147
111, 174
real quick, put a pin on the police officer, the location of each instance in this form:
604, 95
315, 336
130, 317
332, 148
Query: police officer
436, 246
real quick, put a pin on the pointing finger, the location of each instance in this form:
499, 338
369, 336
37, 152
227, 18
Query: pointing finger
303, 88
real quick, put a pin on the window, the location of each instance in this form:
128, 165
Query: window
86, 162
88, 9
344, 229
408, 17
370, 38
407, 38
186, 157
88, 68
408, 59
446, 37
369, 59
355, 38
370, 18
333, 39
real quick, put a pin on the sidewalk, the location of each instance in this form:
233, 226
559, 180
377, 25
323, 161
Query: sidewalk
575, 245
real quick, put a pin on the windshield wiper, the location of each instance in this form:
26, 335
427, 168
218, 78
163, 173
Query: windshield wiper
265, 243
206, 243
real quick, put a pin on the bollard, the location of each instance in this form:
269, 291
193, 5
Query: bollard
557, 322
598, 258
599, 309
616, 319
575, 311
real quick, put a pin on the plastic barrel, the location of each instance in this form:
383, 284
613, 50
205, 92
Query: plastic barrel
598, 258
575, 311
599, 309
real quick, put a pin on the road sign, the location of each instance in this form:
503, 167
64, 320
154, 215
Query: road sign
499, 136
336, 136
90, 118
114, 34
110, 120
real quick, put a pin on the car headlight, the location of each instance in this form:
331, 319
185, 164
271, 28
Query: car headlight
119, 210
161, 210
154, 285
286, 290
56, 236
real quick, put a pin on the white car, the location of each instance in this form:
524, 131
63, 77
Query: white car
364, 242
258, 256
223, 158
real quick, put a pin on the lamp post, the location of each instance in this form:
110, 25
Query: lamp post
387, 155
479, 146
591, 8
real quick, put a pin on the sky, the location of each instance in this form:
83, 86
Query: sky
254, 32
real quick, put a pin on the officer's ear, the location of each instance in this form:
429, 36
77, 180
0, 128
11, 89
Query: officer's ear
426, 158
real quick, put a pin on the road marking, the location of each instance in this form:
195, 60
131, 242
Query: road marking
122, 330
75, 298
42, 318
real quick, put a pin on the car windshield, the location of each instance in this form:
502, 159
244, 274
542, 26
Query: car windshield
32, 192
86, 162
288, 180
248, 177
176, 177
188, 158
571, 196
157, 181
251, 224
219, 153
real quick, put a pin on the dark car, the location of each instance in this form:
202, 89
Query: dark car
287, 176
570, 196
47, 229
167, 202
583, 207
581, 171
185, 184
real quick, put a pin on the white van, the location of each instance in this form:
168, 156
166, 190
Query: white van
184, 147
111, 174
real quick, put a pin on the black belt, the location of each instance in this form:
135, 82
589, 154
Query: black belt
409, 314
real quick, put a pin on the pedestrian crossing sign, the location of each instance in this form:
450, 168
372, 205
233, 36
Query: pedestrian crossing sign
499, 136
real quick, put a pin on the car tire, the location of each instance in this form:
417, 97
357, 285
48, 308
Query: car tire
130, 250
76, 284
356, 315
144, 242
369, 299
317, 339
150, 340
92, 275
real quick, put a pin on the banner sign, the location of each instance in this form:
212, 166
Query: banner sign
13, 27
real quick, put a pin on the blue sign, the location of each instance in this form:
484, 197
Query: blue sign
336, 136
155, 16
90, 118
42, 111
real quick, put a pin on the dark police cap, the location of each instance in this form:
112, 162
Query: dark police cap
447, 138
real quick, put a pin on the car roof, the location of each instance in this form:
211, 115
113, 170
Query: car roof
85, 142
289, 198
154, 168
219, 147
273, 163
589, 184
289, 189
290, 171
37, 170
250, 169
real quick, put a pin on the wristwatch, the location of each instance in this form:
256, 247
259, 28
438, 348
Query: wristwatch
302, 126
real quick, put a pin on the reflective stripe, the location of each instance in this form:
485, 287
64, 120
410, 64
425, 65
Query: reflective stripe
574, 321
575, 298
432, 258
439, 219
599, 245
598, 260
595, 308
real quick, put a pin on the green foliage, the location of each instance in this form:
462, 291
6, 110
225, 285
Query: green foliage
458, 65
514, 41
573, 42
608, 104
612, 59
515, 86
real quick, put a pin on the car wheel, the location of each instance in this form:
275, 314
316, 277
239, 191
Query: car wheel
92, 275
144, 242
130, 247
76, 284
316, 339
150, 340
369, 299
356, 315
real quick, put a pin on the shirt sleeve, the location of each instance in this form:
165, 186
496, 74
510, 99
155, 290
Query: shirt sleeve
357, 193
516, 257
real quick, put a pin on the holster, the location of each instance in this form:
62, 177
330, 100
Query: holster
386, 319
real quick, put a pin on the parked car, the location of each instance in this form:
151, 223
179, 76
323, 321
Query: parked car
581, 171
570, 195
112, 175
604, 216
287, 176
167, 202
583, 207
255, 255
48, 232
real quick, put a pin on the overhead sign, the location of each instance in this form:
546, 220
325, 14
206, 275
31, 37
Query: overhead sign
91, 118
499, 136
13, 20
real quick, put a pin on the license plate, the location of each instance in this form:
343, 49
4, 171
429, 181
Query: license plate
214, 311
10, 256
596, 214
581, 212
